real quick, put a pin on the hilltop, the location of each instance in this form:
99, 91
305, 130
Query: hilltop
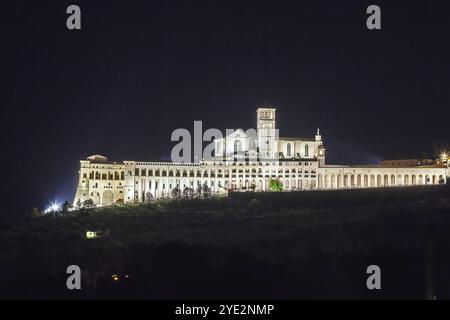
249, 245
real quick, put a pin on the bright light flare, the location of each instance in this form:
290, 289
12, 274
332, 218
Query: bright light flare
53, 207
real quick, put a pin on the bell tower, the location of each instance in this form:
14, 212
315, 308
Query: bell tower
267, 144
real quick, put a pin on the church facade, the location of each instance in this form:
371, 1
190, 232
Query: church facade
244, 161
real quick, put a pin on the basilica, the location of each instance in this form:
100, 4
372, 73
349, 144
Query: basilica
246, 161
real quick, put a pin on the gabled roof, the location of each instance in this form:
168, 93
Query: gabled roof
237, 132
97, 157
296, 139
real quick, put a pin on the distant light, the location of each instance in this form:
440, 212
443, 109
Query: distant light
91, 234
53, 207
115, 277
444, 156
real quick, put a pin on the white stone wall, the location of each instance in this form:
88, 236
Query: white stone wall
98, 179
159, 178
335, 177
101, 182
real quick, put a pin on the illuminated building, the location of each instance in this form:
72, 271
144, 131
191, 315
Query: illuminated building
245, 162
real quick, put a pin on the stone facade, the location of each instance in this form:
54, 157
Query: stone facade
243, 162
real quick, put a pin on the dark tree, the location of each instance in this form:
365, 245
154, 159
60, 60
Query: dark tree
199, 192
188, 193
207, 192
176, 193
65, 207
148, 197
89, 203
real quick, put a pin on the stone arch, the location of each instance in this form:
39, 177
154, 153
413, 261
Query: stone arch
386, 180
434, 181
406, 180
333, 181
366, 180
372, 180
392, 179
413, 180
107, 197
346, 181
288, 150
237, 146
339, 181
420, 179
379, 180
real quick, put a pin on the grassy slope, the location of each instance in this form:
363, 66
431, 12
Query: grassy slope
282, 245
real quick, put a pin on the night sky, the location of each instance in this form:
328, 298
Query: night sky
140, 69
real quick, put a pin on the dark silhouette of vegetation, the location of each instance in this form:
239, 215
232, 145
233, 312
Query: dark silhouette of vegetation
148, 197
89, 203
249, 245
207, 192
176, 193
188, 193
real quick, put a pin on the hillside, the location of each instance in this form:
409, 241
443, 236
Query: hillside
250, 245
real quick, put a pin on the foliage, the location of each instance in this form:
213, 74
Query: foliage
275, 185
292, 239
199, 192
148, 197
89, 203
207, 192
188, 193
65, 207
176, 193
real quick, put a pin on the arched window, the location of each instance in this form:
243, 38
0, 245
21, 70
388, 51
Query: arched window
288, 151
237, 146
306, 150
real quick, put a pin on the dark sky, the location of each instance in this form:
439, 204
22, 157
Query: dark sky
139, 69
